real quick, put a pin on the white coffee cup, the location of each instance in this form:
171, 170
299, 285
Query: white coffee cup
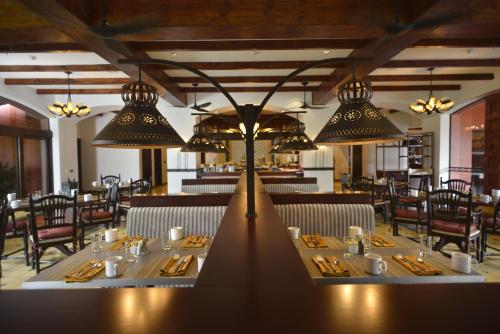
354, 231
177, 233
484, 198
294, 232
15, 204
73, 192
87, 197
11, 197
111, 235
461, 262
201, 260
495, 193
112, 266
374, 264
95, 183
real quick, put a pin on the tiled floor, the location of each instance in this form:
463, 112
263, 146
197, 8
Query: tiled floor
15, 272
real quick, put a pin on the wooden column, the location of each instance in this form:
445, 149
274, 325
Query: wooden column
492, 142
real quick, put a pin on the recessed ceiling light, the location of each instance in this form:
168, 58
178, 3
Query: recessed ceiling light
326, 51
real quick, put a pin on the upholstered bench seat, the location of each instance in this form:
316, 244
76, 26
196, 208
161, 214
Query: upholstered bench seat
291, 187
452, 228
151, 222
327, 219
411, 214
97, 215
208, 188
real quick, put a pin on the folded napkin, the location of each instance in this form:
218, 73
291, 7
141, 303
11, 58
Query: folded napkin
195, 241
309, 241
176, 265
85, 272
420, 269
378, 241
329, 266
120, 244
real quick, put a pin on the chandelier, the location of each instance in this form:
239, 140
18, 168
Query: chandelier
432, 104
68, 109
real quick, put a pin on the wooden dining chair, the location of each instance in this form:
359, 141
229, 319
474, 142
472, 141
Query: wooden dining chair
491, 225
377, 198
96, 213
4, 218
140, 186
405, 212
110, 179
58, 228
455, 184
451, 224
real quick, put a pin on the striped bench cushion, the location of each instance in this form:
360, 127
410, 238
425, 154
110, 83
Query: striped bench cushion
208, 188
327, 219
151, 222
291, 187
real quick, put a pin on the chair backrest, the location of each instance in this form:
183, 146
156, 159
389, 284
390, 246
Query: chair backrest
446, 205
496, 216
392, 195
141, 186
4, 218
346, 181
54, 209
455, 184
424, 183
110, 179
112, 197
73, 184
363, 183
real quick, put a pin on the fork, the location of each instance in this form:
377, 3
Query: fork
412, 265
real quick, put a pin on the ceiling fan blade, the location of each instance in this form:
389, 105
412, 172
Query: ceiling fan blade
197, 108
107, 30
204, 105
307, 106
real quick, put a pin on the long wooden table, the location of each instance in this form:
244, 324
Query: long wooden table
396, 273
145, 272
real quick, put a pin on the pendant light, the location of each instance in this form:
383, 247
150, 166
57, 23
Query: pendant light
432, 104
200, 141
139, 124
297, 140
221, 147
68, 109
357, 121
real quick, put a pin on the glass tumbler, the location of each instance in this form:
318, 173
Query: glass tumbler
166, 241
425, 246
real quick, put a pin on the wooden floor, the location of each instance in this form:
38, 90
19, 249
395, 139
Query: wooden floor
15, 271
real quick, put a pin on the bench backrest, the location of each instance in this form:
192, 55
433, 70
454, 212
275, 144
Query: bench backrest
327, 219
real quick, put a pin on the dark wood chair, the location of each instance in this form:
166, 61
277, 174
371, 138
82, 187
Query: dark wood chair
455, 184
140, 186
99, 212
491, 225
57, 229
17, 228
378, 201
451, 224
346, 181
4, 217
404, 211
110, 179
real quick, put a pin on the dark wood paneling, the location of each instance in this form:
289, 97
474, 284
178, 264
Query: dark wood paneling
223, 174
180, 200
492, 142
288, 180
12, 131
323, 198
283, 173
357, 160
209, 181
157, 167
146, 164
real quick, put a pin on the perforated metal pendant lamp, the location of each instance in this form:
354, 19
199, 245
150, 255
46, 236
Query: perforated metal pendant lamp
200, 141
276, 148
298, 140
357, 121
139, 124
221, 147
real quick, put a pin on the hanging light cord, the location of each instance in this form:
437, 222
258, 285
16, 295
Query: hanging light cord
69, 86
430, 79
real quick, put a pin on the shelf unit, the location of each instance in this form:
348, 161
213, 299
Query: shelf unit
407, 160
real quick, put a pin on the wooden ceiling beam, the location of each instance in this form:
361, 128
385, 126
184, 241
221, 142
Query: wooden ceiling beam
457, 42
435, 77
40, 47
386, 46
485, 62
58, 68
252, 79
59, 81
76, 91
110, 49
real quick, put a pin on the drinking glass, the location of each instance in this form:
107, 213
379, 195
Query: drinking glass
129, 257
166, 241
96, 240
367, 240
349, 247
207, 245
425, 246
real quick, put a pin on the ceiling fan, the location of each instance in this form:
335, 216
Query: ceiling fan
397, 26
304, 105
129, 26
196, 106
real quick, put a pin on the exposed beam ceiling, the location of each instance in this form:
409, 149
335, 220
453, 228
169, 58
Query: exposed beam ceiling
59, 81
57, 68
110, 49
387, 46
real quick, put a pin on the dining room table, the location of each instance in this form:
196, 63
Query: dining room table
137, 271
393, 249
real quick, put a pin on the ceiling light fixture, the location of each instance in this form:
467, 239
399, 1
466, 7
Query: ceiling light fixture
139, 124
68, 109
200, 141
432, 104
297, 140
357, 121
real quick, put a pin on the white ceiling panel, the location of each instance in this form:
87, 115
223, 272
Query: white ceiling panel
250, 84
51, 58
74, 75
447, 53
249, 72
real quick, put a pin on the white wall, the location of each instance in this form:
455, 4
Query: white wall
105, 161
64, 152
440, 125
